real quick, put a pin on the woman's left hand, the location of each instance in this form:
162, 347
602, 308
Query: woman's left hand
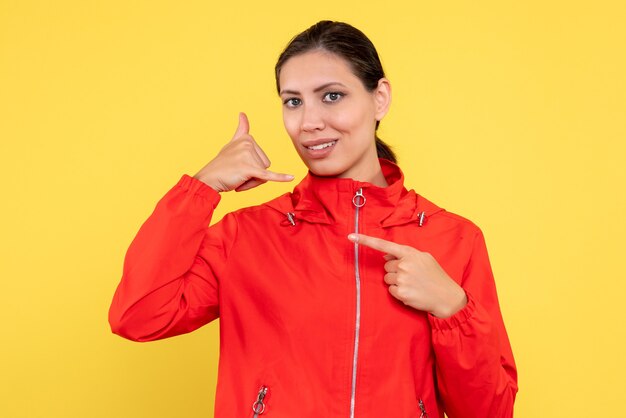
416, 279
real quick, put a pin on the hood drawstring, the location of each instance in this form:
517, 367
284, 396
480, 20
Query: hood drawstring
291, 217
422, 218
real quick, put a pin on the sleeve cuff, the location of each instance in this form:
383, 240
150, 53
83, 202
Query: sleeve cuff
456, 320
197, 187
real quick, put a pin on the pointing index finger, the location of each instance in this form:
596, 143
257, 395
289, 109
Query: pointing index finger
379, 244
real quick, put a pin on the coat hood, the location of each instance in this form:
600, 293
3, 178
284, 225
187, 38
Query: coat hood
319, 199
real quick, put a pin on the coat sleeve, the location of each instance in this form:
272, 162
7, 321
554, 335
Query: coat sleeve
171, 271
475, 369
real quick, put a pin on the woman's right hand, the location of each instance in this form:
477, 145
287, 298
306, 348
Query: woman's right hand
240, 165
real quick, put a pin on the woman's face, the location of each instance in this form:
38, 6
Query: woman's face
330, 116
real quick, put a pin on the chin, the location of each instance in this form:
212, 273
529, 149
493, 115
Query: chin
325, 168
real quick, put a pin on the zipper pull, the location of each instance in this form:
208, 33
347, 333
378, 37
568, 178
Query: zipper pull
258, 407
359, 200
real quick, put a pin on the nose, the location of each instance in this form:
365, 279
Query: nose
312, 118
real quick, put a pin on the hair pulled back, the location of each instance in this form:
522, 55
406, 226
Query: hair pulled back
352, 45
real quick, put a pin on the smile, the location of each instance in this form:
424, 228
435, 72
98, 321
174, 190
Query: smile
322, 146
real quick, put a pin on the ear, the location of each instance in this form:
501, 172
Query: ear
382, 98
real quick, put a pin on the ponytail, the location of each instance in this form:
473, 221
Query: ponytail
384, 151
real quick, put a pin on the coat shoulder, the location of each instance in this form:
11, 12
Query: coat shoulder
447, 219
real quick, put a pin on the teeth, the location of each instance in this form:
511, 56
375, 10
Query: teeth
322, 146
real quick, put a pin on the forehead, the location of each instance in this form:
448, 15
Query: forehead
312, 69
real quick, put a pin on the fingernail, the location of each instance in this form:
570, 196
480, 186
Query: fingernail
352, 237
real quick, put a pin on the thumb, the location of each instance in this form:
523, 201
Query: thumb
244, 126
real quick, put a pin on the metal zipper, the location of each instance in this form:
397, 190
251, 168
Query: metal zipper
258, 407
358, 201
424, 414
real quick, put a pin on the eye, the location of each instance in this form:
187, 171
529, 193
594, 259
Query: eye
333, 96
292, 102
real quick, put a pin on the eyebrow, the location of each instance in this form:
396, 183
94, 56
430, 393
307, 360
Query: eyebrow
317, 89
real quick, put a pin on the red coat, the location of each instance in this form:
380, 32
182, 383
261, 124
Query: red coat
308, 327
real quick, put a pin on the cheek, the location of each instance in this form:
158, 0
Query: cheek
291, 124
355, 115
353, 119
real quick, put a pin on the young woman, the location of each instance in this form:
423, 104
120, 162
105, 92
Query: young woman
351, 297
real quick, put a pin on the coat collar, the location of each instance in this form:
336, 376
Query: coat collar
328, 200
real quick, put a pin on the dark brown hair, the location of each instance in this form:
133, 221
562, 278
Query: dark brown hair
352, 45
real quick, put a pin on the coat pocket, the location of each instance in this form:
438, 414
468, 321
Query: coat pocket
259, 405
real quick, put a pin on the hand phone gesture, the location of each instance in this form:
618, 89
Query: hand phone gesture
240, 165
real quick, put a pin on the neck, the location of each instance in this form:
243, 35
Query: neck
373, 174
378, 179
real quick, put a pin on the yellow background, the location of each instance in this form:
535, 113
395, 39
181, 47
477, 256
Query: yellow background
509, 113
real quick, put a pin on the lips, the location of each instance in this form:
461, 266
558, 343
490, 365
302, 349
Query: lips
319, 148
318, 143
